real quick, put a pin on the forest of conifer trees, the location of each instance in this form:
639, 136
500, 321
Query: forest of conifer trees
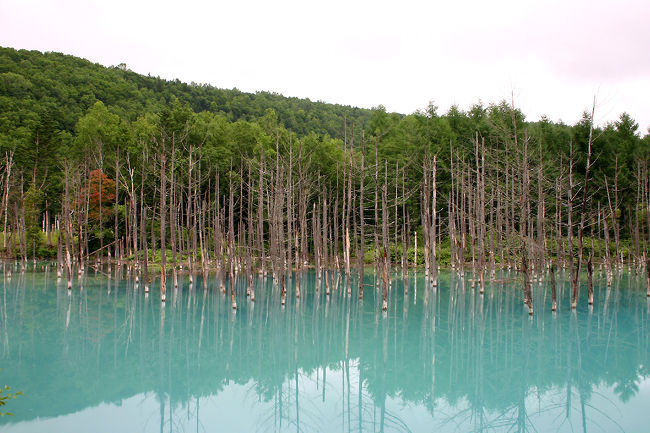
101, 165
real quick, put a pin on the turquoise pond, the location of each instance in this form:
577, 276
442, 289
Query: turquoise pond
105, 357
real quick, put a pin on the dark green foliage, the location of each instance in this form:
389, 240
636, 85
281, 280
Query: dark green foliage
66, 87
59, 110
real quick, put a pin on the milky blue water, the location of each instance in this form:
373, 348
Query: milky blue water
105, 357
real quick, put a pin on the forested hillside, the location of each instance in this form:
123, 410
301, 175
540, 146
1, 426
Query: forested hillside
107, 157
65, 87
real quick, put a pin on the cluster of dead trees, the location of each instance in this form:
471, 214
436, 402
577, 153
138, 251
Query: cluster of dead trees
474, 207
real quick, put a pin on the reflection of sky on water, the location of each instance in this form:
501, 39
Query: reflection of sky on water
106, 358
237, 409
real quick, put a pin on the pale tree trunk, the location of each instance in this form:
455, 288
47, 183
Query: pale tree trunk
260, 213
362, 231
647, 269
378, 257
348, 204
68, 229
163, 220
115, 225
553, 290
608, 258
249, 259
524, 226
384, 215
574, 285
324, 244
231, 241
583, 211
204, 251
590, 281
425, 216
143, 232
172, 216
5, 197
481, 214
59, 248
405, 256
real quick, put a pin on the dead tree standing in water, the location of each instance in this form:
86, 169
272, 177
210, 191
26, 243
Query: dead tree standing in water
231, 243
362, 230
163, 215
384, 214
553, 290
583, 214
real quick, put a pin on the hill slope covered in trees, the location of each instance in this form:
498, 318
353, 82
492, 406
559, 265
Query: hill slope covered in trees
65, 87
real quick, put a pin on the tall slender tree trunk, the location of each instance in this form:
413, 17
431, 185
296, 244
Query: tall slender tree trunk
433, 226
583, 211
68, 228
362, 231
384, 217
553, 290
231, 242
163, 221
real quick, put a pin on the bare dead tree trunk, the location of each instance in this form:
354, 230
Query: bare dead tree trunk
378, 257
316, 240
100, 257
524, 225
290, 211
347, 203
163, 221
384, 217
219, 239
553, 290
231, 242
433, 225
249, 216
647, 269
608, 258
647, 207
362, 231
424, 215
68, 228
83, 234
541, 211
324, 243
405, 256
583, 211
117, 200
204, 250
143, 233
260, 213
480, 220
570, 198
527, 290
636, 234
590, 281
5, 197
614, 211
301, 247
172, 216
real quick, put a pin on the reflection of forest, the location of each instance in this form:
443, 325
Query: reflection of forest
108, 342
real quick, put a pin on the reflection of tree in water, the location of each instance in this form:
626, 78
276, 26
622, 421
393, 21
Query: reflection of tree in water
294, 410
475, 362
615, 357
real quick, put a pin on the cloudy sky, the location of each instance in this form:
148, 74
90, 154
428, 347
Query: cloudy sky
554, 56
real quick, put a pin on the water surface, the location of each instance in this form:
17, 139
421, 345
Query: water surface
105, 357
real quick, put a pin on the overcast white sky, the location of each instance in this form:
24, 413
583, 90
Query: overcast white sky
554, 55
